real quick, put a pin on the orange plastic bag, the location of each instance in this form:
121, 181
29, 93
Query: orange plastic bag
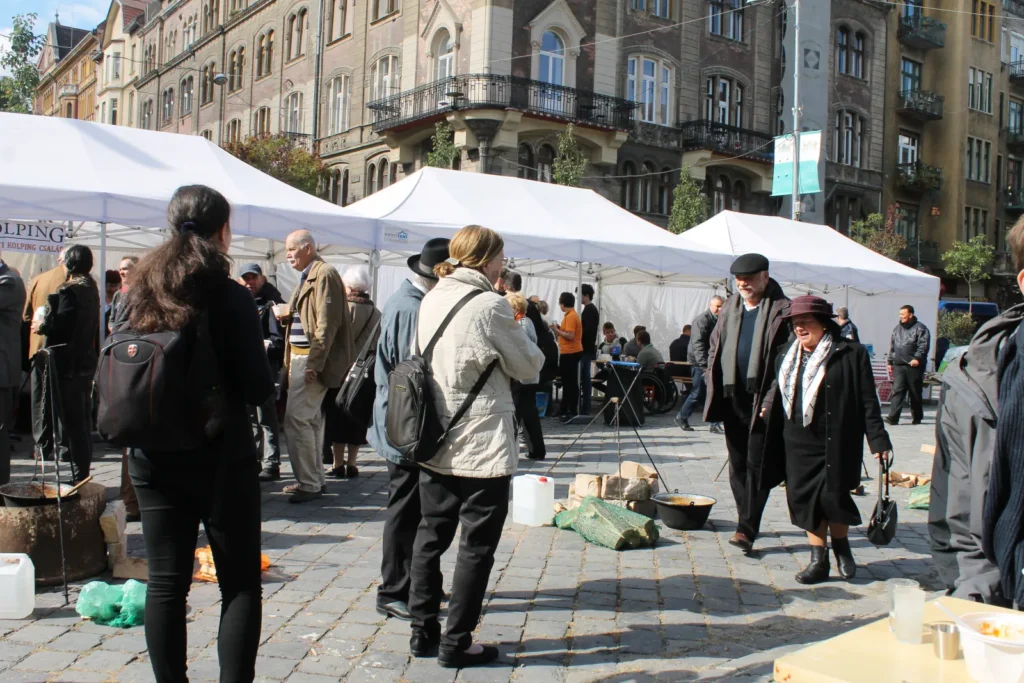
207, 571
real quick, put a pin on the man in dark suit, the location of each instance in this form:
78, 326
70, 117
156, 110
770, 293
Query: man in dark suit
680, 345
12, 303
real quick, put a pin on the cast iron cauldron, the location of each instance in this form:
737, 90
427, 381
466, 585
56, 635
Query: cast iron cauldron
683, 511
35, 494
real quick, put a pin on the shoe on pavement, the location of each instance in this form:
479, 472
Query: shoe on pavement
717, 429
742, 542
450, 658
423, 644
889, 421
305, 496
683, 424
397, 609
817, 570
291, 488
270, 474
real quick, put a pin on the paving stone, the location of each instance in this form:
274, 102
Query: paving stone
126, 642
104, 660
46, 661
80, 676
75, 642
36, 634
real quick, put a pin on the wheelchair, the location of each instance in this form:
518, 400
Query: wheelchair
660, 390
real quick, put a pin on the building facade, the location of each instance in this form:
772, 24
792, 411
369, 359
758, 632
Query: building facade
67, 68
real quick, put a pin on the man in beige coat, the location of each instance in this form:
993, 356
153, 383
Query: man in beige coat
317, 355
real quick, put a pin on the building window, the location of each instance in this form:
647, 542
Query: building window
720, 194
382, 8
662, 8
383, 176
850, 50
909, 144
208, 134
340, 98
293, 113
1015, 115
206, 83
843, 50
983, 20
975, 222
545, 163
70, 111
186, 96
910, 74
237, 69
906, 221
525, 163
294, 44
336, 21
371, 179
444, 49
979, 160
1014, 174
131, 108
979, 90
261, 121
649, 82
384, 77
147, 114
233, 133
115, 71
265, 54
665, 191
168, 105
857, 55
725, 18
103, 112
552, 59
723, 101
628, 189
848, 138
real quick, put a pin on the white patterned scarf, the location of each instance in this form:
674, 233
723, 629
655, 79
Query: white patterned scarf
813, 374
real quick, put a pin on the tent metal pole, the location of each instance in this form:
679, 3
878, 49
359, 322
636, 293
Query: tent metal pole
847, 297
103, 280
374, 271
579, 286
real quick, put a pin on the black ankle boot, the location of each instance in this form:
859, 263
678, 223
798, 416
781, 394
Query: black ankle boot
817, 570
844, 558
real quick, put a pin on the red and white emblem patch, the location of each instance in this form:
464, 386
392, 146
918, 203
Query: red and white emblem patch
133, 350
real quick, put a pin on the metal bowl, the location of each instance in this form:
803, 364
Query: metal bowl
684, 511
34, 494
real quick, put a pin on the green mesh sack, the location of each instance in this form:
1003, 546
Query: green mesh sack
114, 606
565, 519
920, 496
613, 526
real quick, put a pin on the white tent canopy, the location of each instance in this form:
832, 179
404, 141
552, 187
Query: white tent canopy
815, 259
126, 176
562, 225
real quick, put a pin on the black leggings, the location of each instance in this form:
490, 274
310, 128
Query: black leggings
176, 492
569, 369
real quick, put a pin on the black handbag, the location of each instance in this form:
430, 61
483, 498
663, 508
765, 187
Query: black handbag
882, 527
359, 390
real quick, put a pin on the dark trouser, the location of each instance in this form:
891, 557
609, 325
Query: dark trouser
525, 397
481, 505
697, 395
569, 370
128, 497
399, 533
176, 492
750, 502
906, 381
268, 434
586, 389
76, 433
8, 395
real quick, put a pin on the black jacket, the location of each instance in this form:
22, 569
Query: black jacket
849, 331
700, 338
909, 342
272, 330
546, 342
678, 349
71, 326
591, 319
852, 412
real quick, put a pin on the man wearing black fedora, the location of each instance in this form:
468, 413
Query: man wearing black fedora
397, 328
750, 331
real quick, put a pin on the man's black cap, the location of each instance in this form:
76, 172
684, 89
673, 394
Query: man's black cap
749, 264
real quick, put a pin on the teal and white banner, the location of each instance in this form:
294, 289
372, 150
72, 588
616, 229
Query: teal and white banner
810, 154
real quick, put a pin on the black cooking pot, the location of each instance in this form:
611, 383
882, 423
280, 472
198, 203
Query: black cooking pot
34, 494
683, 511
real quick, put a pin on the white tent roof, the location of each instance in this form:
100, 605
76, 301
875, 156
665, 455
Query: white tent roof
809, 254
64, 169
538, 221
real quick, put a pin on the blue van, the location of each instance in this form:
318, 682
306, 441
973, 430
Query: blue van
981, 311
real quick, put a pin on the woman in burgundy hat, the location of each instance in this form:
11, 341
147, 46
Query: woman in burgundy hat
825, 398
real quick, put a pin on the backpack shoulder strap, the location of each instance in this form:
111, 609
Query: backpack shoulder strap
468, 401
447, 319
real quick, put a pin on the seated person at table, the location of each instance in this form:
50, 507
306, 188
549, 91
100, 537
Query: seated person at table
648, 357
609, 342
632, 347
679, 346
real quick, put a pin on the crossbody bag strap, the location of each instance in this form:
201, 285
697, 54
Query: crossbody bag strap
470, 397
369, 340
447, 319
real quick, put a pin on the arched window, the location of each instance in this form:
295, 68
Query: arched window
168, 105
848, 134
628, 188
338, 104
843, 50
371, 179
444, 49
384, 77
723, 101
545, 163
382, 8
857, 56
382, 174
236, 71
526, 168
725, 18
294, 44
647, 178
70, 110
552, 59
186, 95
293, 113
665, 191
234, 131
649, 82
720, 193
336, 19
261, 121
208, 134
739, 193
261, 51
147, 114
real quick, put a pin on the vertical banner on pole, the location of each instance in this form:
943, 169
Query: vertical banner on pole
810, 155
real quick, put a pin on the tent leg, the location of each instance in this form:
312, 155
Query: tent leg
579, 286
103, 280
374, 271
598, 293
847, 304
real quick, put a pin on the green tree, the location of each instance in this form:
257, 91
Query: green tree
956, 326
690, 205
18, 87
570, 163
879, 234
970, 261
444, 153
279, 156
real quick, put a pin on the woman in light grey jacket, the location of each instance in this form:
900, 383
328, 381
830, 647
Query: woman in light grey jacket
468, 480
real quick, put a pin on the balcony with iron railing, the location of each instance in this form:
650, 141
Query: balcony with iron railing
727, 140
918, 178
1013, 201
1016, 72
494, 91
1015, 139
301, 140
921, 32
922, 105
919, 253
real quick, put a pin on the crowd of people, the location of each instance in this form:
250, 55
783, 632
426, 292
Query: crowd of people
786, 381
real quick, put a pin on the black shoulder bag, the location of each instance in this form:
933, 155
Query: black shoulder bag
882, 527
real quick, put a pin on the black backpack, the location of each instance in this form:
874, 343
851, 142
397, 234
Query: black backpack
412, 426
356, 396
160, 391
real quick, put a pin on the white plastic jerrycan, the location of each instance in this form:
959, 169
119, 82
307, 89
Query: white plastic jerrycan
17, 586
533, 500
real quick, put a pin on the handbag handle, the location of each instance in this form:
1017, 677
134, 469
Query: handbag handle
884, 463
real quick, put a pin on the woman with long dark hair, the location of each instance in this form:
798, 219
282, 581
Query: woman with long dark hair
71, 326
217, 484
825, 398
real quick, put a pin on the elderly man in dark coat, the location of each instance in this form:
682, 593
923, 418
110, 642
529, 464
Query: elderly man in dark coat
12, 300
750, 331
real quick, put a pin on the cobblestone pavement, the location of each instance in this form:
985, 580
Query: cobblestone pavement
561, 610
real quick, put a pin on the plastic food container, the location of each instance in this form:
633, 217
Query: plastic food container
533, 500
993, 647
17, 586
